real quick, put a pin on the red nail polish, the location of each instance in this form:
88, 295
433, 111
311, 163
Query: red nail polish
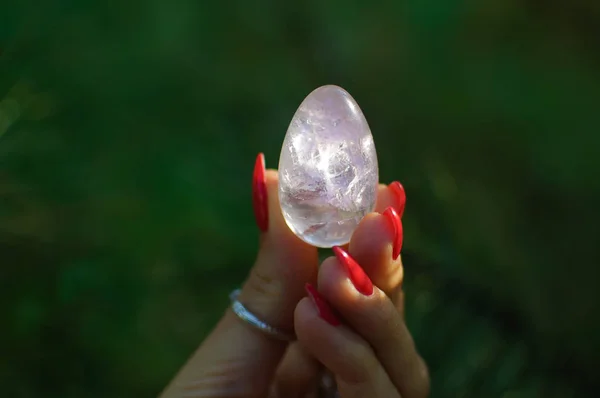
323, 307
259, 194
359, 279
398, 190
394, 219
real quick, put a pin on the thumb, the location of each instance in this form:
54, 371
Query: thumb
237, 360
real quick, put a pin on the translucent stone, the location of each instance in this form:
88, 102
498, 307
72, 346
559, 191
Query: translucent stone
328, 171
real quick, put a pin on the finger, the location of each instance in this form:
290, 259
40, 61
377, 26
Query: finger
376, 244
377, 241
371, 313
235, 358
376, 237
298, 373
391, 195
283, 265
349, 357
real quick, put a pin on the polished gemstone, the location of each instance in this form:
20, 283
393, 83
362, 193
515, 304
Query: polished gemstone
328, 171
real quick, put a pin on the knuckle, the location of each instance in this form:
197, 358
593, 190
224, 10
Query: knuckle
263, 285
398, 300
394, 271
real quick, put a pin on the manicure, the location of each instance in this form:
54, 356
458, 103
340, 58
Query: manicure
398, 190
323, 308
259, 194
394, 219
357, 276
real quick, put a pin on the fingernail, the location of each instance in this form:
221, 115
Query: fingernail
259, 194
394, 219
359, 279
398, 190
323, 307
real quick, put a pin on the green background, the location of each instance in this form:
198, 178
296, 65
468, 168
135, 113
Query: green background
128, 132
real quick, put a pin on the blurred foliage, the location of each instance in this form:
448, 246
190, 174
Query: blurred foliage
128, 132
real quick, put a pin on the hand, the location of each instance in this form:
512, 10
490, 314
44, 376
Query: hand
236, 360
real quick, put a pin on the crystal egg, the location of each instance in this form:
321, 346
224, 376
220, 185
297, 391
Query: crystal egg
328, 172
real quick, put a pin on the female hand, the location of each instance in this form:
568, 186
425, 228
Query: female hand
237, 360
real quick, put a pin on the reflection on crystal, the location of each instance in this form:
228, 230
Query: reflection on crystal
328, 171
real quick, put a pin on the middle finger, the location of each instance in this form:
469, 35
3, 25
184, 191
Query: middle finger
377, 241
370, 312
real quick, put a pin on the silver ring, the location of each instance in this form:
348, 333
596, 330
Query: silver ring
242, 312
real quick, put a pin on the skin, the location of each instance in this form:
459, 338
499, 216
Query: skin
371, 354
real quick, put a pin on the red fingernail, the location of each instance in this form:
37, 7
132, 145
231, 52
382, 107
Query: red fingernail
323, 307
394, 220
259, 194
398, 190
359, 279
